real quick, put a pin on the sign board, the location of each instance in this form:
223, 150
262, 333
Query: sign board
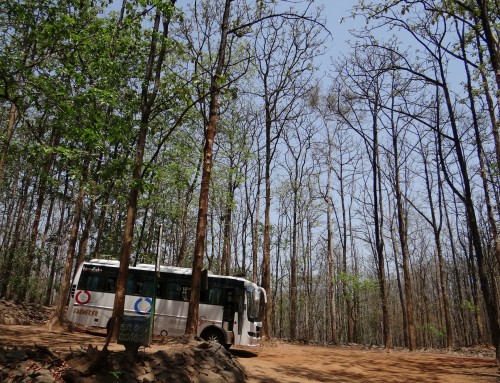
134, 330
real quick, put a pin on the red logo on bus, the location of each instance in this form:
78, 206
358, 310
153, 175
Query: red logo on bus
82, 297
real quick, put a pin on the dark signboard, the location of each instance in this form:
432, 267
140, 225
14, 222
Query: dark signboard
134, 330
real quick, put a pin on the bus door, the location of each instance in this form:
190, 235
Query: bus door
229, 309
240, 308
234, 314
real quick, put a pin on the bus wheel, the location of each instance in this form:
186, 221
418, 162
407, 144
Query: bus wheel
214, 335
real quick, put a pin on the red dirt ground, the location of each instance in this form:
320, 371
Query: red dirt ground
281, 362
293, 363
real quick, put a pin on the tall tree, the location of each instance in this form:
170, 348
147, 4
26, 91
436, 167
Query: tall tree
150, 89
285, 49
399, 88
298, 140
358, 98
201, 226
337, 151
430, 30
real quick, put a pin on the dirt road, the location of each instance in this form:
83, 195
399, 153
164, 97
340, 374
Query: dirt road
292, 363
296, 363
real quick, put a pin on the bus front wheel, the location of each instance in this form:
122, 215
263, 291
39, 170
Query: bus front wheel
214, 335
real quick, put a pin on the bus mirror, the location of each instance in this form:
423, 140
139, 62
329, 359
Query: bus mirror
263, 292
204, 279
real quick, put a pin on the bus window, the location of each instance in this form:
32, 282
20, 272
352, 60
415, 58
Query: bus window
186, 293
110, 285
130, 286
172, 291
91, 282
213, 296
147, 289
240, 305
253, 304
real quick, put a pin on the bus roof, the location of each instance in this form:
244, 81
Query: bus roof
163, 269
142, 266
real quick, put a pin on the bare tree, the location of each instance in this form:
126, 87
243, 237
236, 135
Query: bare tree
357, 98
336, 151
298, 141
285, 48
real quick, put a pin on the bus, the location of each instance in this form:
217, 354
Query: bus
229, 310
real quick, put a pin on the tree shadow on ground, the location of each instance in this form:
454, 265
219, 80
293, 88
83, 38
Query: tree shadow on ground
243, 353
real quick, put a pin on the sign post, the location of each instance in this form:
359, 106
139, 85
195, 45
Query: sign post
134, 333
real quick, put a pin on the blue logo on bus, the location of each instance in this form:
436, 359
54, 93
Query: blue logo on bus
143, 308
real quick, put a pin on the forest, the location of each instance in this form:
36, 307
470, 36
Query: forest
365, 198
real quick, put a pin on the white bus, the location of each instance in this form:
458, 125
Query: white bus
228, 310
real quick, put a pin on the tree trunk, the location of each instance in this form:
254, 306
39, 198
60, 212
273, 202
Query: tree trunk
228, 214
403, 238
59, 315
488, 30
52, 270
7, 289
255, 227
482, 166
84, 240
43, 244
149, 92
128, 234
201, 226
436, 227
184, 223
42, 189
331, 260
293, 265
491, 300
379, 238
6, 142
266, 256
400, 288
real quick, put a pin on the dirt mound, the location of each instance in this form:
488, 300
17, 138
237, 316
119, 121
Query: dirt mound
194, 361
25, 314
25, 358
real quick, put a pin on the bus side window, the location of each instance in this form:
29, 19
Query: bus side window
110, 286
186, 293
147, 288
214, 296
138, 288
93, 283
131, 286
172, 291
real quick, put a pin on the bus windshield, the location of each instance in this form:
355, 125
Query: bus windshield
253, 304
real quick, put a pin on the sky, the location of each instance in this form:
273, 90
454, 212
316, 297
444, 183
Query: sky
338, 21
334, 12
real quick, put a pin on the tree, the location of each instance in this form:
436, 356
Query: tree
357, 97
436, 222
338, 152
298, 140
285, 51
430, 31
150, 89
215, 89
